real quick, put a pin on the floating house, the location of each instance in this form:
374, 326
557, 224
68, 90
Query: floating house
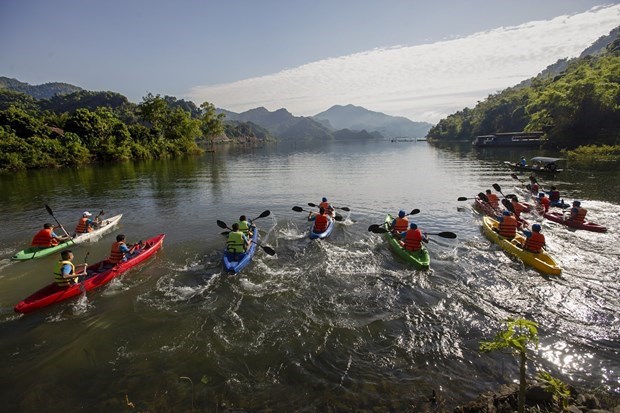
531, 139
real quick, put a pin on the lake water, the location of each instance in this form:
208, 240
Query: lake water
334, 325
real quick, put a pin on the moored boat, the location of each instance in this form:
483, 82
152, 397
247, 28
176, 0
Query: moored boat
38, 252
98, 275
542, 261
420, 259
559, 217
236, 261
541, 164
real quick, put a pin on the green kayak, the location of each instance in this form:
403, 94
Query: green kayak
38, 252
420, 259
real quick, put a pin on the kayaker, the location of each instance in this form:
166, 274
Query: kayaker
86, 224
413, 238
577, 213
523, 161
326, 205
400, 224
517, 207
492, 199
507, 225
321, 220
237, 241
554, 194
543, 202
46, 237
534, 187
120, 251
246, 226
535, 241
65, 273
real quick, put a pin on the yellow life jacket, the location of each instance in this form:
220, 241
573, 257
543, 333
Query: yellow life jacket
244, 227
59, 279
235, 242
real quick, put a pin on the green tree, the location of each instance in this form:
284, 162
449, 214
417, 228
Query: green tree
517, 336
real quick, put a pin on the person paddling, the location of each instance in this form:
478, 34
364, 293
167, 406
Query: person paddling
65, 273
517, 207
120, 251
577, 213
413, 238
85, 224
507, 225
554, 194
400, 224
543, 202
46, 237
246, 226
327, 206
535, 241
492, 199
237, 241
321, 220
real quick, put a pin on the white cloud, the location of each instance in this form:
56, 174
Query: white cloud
424, 82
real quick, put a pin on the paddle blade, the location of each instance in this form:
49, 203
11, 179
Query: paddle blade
221, 224
514, 176
508, 205
483, 197
378, 230
344, 209
49, 210
338, 218
414, 212
373, 226
447, 234
264, 214
462, 198
298, 209
224, 232
497, 188
310, 204
268, 250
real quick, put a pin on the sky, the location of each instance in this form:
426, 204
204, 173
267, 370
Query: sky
419, 59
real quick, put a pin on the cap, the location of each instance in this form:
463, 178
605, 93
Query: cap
506, 212
576, 203
324, 199
536, 227
86, 214
413, 225
401, 213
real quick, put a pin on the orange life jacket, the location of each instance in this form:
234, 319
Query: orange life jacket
508, 226
518, 208
325, 205
44, 238
116, 255
534, 189
535, 242
580, 216
401, 224
320, 223
493, 199
83, 226
545, 202
413, 240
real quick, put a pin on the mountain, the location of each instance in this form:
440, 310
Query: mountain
357, 118
44, 91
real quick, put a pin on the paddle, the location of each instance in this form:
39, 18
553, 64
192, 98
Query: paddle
268, 250
97, 218
413, 212
49, 211
514, 176
445, 234
300, 209
499, 189
340, 208
83, 276
481, 196
263, 215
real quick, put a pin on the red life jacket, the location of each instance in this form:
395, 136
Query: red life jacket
534, 189
518, 208
116, 255
580, 216
545, 202
320, 223
554, 196
43, 238
535, 242
325, 205
83, 226
493, 199
413, 240
401, 224
508, 226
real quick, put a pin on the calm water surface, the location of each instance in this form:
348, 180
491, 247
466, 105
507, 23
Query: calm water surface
339, 325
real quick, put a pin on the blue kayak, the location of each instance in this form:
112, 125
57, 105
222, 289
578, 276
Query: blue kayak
559, 204
234, 262
324, 234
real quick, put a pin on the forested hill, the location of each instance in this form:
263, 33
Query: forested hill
578, 106
44, 91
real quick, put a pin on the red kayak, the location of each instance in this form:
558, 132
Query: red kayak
588, 226
99, 274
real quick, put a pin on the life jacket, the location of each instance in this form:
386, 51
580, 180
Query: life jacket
413, 240
320, 223
325, 205
518, 208
401, 225
508, 226
116, 255
534, 189
535, 242
244, 226
44, 238
83, 226
493, 199
545, 202
235, 242
58, 278
580, 216
554, 196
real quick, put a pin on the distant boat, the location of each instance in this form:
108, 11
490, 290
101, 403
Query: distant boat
533, 139
538, 164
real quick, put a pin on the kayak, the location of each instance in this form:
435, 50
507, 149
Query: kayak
560, 204
588, 226
236, 261
38, 252
326, 233
531, 168
489, 210
420, 259
542, 261
98, 275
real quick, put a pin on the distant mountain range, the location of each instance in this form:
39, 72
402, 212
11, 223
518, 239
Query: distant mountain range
338, 122
44, 91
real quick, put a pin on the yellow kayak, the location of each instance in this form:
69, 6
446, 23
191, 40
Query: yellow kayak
542, 261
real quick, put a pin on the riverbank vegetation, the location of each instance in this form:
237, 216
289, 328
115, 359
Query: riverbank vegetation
86, 127
594, 153
578, 106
